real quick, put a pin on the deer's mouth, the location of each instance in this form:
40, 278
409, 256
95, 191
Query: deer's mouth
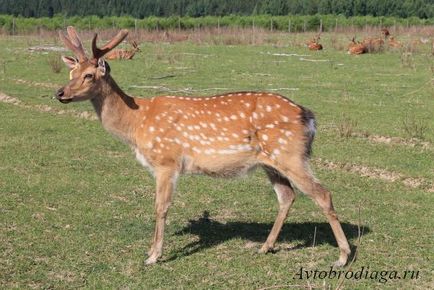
65, 101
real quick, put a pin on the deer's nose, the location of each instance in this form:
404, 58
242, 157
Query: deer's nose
60, 92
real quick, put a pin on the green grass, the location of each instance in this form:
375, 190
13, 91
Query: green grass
77, 209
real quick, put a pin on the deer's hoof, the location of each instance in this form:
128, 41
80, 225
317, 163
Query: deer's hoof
151, 260
265, 249
339, 263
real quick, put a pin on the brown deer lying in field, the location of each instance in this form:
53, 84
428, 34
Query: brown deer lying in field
373, 44
356, 47
392, 42
123, 53
224, 135
314, 44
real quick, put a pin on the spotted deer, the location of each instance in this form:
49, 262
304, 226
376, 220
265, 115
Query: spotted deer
355, 47
223, 136
314, 44
123, 53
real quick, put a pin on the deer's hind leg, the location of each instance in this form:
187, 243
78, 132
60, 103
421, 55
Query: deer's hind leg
297, 170
285, 196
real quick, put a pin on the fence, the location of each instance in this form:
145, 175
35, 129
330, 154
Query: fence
291, 23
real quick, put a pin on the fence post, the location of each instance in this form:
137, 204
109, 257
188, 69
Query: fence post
320, 25
289, 25
13, 26
135, 27
304, 25
271, 24
336, 25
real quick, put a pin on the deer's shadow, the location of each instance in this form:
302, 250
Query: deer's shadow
212, 233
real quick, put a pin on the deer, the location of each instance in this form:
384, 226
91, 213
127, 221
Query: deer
221, 136
392, 42
385, 32
314, 44
123, 53
355, 47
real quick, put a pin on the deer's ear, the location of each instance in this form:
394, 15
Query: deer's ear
103, 67
71, 62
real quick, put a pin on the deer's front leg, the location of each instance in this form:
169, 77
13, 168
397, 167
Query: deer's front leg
166, 179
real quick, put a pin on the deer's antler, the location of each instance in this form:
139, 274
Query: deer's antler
100, 52
73, 42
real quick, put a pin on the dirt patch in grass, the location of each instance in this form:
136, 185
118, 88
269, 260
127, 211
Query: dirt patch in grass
347, 130
375, 173
36, 84
412, 142
45, 108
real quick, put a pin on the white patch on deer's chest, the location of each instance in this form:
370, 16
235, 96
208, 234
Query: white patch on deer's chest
142, 159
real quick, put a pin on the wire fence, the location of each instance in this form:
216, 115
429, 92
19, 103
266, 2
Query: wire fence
293, 23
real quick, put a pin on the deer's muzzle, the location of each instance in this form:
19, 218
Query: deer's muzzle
60, 96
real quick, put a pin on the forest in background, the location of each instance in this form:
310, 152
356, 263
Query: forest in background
199, 8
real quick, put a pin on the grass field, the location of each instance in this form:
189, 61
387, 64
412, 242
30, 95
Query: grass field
77, 208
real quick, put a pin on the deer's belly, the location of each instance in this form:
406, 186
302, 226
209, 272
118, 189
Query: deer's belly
220, 165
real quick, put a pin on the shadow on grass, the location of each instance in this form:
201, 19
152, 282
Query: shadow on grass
211, 233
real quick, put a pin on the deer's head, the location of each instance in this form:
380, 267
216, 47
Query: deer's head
135, 46
86, 74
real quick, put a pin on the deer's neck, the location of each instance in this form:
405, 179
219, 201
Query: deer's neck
117, 111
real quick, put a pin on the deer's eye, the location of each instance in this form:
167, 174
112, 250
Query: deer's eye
88, 76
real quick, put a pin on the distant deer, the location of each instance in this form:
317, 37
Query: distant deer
373, 44
356, 47
392, 42
314, 44
123, 53
224, 135
385, 32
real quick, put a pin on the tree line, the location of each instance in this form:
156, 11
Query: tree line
199, 8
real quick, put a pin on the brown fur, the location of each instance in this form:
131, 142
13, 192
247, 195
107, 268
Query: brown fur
356, 47
385, 32
123, 53
314, 44
392, 42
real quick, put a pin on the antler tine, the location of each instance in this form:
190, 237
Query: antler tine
73, 42
76, 40
99, 52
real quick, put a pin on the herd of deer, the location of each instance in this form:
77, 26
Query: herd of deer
354, 47
365, 46
222, 135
